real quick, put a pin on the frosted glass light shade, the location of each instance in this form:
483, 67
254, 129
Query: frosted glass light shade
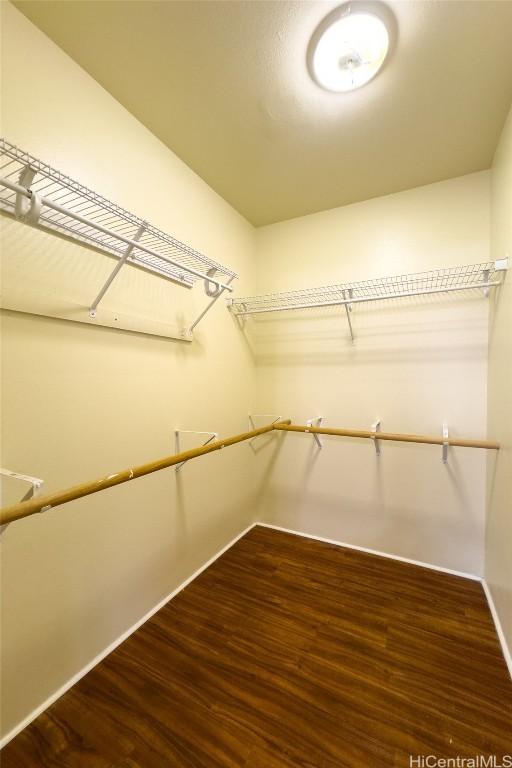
350, 51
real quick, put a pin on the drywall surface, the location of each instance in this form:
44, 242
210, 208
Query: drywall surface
80, 402
414, 364
498, 562
249, 118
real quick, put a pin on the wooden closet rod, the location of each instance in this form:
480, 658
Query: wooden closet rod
50, 500
47, 502
287, 427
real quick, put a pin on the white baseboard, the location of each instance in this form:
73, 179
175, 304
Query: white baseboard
432, 567
72, 681
499, 629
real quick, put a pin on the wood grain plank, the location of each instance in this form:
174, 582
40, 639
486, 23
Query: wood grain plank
290, 652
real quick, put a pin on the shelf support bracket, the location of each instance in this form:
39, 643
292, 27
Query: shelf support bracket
122, 261
177, 441
35, 487
446, 435
316, 422
216, 295
348, 309
376, 427
241, 319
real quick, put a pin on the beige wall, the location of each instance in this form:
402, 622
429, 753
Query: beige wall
498, 563
414, 364
79, 402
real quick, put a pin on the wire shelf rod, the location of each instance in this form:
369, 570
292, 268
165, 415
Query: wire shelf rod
158, 252
55, 220
128, 241
480, 276
362, 299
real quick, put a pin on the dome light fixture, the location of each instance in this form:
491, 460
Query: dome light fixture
349, 47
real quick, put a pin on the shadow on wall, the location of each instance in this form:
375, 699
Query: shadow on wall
394, 530
404, 502
270, 460
494, 300
131, 590
49, 274
422, 331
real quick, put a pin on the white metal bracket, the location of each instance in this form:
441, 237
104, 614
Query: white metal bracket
241, 318
376, 427
348, 294
446, 435
94, 306
177, 441
316, 422
252, 425
35, 486
252, 416
216, 295
27, 208
212, 288
500, 265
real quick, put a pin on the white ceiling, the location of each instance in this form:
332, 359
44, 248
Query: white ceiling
225, 86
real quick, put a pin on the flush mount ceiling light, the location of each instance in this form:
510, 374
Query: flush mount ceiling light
349, 47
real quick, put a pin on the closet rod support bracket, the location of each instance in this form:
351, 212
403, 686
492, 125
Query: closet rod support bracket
252, 426
36, 484
446, 436
178, 432
316, 422
376, 427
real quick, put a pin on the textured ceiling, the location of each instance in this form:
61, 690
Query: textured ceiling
225, 86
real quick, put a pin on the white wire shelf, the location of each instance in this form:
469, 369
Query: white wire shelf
463, 278
32, 190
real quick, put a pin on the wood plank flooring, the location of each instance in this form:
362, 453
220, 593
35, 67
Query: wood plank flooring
289, 652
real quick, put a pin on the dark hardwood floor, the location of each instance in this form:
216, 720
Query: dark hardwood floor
289, 652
